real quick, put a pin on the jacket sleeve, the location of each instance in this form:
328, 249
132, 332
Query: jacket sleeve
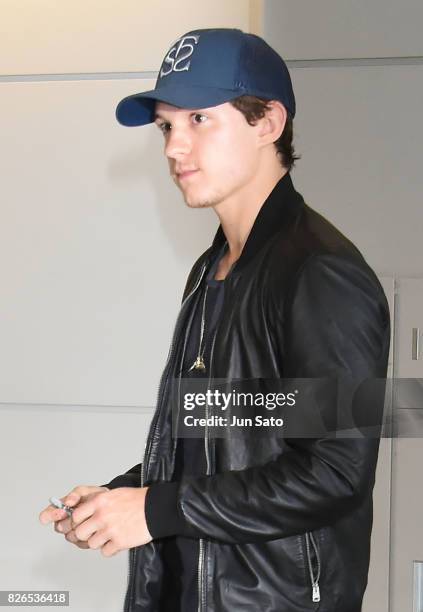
131, 478
333, 323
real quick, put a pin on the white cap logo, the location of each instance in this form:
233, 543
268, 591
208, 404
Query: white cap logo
181, 51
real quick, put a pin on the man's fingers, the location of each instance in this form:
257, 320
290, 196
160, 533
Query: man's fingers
79, 492
51, 514
63, 526
71, 537
98, 539
73, 498
109, 549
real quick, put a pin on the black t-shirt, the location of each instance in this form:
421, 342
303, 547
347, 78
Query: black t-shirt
180, 554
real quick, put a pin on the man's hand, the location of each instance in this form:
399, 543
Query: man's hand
112, 521
62, 523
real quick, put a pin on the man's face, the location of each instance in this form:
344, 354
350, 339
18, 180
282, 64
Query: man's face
215, 145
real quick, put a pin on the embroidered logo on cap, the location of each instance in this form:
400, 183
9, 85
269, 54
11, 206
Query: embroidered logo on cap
180, 52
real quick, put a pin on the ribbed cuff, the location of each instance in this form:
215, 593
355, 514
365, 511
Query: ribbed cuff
161, 511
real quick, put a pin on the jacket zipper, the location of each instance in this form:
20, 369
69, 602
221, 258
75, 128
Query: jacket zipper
200, 570
314, 580
201, 590
148, 443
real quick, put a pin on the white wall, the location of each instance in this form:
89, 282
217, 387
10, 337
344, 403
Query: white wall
86, 312
95, 246
47, 451
48, 37
86, 203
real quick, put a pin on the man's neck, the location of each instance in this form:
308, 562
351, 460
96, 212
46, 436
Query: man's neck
237, 215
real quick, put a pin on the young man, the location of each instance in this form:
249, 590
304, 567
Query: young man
275, 523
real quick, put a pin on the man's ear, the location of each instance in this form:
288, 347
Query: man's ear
273, 123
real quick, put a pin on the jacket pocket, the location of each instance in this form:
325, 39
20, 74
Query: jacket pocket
313, 564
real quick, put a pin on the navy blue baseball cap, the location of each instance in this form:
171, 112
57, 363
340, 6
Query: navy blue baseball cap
207, 67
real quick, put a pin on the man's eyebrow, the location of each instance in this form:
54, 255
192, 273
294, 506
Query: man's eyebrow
159, 116
193, 111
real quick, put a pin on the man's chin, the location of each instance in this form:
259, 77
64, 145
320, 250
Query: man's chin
193, 200
198, 202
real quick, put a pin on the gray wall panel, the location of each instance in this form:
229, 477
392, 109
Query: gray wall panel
359, 132
88, 298
61, 37
303, 29
47, 451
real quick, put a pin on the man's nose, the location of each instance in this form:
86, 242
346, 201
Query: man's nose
178, 143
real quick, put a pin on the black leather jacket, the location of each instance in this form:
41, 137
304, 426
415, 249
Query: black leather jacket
279, 520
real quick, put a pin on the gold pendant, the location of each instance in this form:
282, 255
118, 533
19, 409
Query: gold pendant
198, 364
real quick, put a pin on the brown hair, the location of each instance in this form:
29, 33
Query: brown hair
254, 108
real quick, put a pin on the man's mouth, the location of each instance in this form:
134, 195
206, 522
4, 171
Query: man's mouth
185, 175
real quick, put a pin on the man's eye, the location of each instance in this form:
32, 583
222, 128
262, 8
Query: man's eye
199, 115
163, 127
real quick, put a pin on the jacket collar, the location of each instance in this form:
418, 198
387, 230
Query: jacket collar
279, 210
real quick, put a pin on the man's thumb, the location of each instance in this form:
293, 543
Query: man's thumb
72, 499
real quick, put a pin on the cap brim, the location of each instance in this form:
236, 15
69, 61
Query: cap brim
138, 109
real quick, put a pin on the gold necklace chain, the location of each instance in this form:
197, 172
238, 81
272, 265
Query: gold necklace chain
199, 362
